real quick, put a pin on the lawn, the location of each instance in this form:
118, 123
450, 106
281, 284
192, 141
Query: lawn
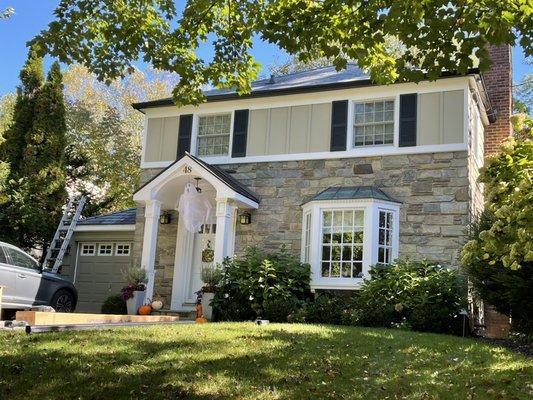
245, 361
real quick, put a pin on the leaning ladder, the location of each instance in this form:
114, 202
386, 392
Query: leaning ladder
58, 247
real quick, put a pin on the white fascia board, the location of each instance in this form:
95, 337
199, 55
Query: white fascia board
104, 228
327, 155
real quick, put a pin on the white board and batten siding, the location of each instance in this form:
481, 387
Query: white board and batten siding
300, 125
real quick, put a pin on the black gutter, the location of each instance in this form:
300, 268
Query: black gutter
285, 91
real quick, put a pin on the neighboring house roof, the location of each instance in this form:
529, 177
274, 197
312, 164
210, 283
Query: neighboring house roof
219, 173
124, 217
353, 192
319, 79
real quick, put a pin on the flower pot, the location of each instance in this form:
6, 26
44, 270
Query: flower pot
206, 304
135, 302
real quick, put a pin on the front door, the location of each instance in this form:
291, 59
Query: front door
188, 265
203, 240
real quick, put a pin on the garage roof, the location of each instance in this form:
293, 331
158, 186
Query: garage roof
124, 217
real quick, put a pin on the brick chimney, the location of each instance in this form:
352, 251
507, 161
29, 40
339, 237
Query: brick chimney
498, 82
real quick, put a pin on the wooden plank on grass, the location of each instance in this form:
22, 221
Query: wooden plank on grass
53, 318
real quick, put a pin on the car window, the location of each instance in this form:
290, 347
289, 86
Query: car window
3, 258
20, 259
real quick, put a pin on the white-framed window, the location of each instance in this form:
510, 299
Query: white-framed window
342, 243
348, 238
105, 249
385, 231
122, 249
88, 249
214, 133
373, 123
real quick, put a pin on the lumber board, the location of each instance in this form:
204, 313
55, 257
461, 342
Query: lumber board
56, 318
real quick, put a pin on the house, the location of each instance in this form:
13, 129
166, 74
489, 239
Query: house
343, 172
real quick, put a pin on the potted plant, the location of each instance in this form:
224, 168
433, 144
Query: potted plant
211, 276
134, 291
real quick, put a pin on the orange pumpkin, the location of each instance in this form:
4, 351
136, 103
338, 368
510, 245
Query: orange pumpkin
145, 310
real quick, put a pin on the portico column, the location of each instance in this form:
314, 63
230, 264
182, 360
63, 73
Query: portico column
151, 224
225, 235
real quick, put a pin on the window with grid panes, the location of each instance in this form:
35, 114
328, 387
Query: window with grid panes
214, 134
374, 123
385, 237
342, 243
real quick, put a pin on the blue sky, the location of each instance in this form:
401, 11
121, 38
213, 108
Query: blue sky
31, 16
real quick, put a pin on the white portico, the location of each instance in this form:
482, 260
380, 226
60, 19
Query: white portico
162, 193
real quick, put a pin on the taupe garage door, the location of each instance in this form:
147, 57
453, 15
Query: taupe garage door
99, 274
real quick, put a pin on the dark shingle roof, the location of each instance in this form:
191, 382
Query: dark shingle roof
227, 179
124, 217
314, 80
353, 192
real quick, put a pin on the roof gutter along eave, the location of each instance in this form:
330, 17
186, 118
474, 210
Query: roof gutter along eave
284, 91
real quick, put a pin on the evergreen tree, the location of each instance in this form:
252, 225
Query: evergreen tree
44, 161
34, 151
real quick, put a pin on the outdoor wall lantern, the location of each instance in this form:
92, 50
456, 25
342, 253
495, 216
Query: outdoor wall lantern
245, 218
164, 218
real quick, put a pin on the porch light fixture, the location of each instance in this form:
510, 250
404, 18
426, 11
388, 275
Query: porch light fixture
164, 218
245, 219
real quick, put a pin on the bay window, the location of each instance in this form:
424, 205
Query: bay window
343, 238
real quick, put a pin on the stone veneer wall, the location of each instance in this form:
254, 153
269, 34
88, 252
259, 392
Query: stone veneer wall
434, 189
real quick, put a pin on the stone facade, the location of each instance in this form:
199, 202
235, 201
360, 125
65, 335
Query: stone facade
433, 188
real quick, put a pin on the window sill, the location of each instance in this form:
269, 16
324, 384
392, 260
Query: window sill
337, 284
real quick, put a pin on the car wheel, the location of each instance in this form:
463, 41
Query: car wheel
63, 301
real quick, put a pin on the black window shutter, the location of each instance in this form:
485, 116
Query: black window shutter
408, 108
184, 135
339, 124
240, 133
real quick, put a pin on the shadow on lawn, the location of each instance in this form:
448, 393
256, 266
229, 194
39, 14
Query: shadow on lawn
224, 360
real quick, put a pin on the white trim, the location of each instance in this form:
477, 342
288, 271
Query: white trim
308, 98
78, 250
100, 245
123, 244
197, 136
104, 228
150, 191
371, 208
144, 140
88, 244
370, 151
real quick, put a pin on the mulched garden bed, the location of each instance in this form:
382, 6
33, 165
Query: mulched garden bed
518, 346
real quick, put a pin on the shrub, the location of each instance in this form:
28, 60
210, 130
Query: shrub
114, 305
499, 256
279, 310
421, 295
257, 278
327, 308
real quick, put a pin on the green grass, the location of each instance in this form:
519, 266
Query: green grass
245, 361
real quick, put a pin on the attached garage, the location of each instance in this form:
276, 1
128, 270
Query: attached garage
100, 249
